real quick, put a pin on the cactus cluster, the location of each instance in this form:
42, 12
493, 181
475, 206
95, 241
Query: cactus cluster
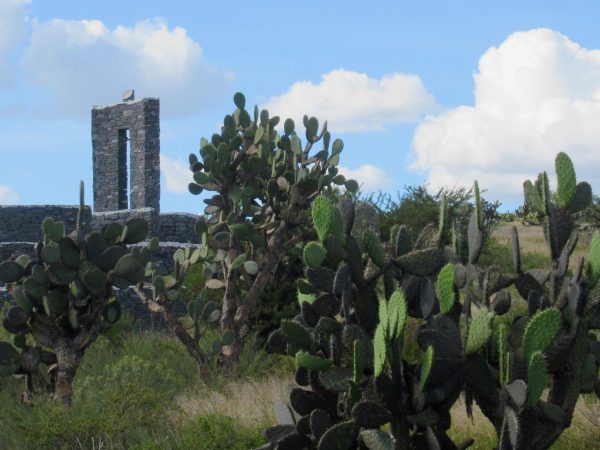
263, 182
348, 344
63, 296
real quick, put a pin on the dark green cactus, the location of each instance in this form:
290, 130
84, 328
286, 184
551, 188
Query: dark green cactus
64, 297
357, 386
503, 367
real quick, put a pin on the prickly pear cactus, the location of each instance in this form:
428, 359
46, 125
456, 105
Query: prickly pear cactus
63, 297
548, 348
262, 183
348, 343
467, 345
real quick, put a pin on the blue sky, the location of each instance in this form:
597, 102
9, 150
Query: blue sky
432, 91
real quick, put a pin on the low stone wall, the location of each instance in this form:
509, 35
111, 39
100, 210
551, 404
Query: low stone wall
100, 219
177, 227
24, 223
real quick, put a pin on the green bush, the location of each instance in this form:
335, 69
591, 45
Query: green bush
217, 432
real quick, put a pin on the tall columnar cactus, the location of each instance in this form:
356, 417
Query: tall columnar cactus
262, 184
63, 297
504, 367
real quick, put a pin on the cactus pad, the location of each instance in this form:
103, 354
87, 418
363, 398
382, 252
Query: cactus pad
445, 288
540, 331
314, 254
426, 364
479, 331
566, 179
379, 349
378, 440
537, 377
374, 248
327, 218
312, 362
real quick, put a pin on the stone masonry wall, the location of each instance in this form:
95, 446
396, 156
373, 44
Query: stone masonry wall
24, 223
110, 165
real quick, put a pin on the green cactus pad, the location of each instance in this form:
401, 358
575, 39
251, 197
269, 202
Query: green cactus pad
567, 182
314, 254
69, 252
594, 264
426, 364
312, 362
358, 363
445, 288
478, 206
537, 377
479, 331
582, 198
54, 231
422, 262
378, 440
402, 241
21, 299
369, 414
135, 230
11, 272
51, 253
396, 315
374, 248
339, 437
238, 261
532, 197
540, 331
327, 218
335, 378
297, 337
379, 349
109, 257
112, 312
127, 266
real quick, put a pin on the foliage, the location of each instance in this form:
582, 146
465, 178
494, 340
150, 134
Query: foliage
417, 209
263, 183
64, 299
548, 344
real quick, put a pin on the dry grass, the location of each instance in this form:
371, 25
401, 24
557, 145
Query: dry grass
249, 402
531, 240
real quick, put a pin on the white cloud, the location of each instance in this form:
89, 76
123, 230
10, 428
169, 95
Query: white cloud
369, 177
536, 94
83, 63
353, 102
7, 195
177, 174
13, 31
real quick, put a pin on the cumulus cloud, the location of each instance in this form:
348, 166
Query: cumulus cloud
536, 94
14, 25
7, 195
353, 102
370, 178
177, 174
84, 63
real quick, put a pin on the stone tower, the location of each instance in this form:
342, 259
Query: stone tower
115, 128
